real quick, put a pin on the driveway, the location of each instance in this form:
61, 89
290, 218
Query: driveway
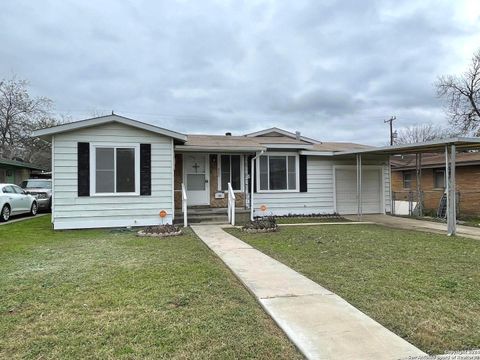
18, 218
320, 323
420, 225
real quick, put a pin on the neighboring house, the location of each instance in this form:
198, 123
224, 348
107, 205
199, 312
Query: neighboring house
467, 172
14, 172
114, 171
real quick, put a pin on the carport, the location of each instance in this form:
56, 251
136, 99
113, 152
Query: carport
447, 146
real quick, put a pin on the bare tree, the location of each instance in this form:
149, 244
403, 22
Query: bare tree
20, 114
462, 93
422, 133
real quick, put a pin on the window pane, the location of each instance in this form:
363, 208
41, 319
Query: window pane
439, 179
196, 182
125, 170
278, 172
225, 171
407, 180
104, 182
8, 190
292, 175
17, 189
263, 173
236, 172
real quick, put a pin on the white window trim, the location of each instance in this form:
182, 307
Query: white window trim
219, 173
93, 147
297, 172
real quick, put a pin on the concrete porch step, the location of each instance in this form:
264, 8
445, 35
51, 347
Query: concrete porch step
200, 210
206, 215
202, 218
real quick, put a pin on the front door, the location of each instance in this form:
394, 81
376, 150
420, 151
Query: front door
196, 172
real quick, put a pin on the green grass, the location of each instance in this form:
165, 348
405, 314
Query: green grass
470, 220
110, 295
424, 287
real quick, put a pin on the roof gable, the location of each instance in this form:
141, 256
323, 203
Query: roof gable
275, 132
47, 133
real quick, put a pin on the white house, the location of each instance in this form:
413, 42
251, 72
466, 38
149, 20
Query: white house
113, 171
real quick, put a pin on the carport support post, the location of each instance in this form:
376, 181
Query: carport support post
359, 185
452, 195
418, 170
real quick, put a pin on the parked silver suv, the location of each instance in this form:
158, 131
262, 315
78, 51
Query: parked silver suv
41, 189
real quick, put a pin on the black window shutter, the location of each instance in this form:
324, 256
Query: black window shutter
145, 169
83, 169
303, 173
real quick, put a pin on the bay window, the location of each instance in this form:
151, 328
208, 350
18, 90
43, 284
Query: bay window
230, 172
278, 172
115, 169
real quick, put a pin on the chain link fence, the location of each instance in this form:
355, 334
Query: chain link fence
433, 203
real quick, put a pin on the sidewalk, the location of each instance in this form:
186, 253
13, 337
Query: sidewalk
321, 324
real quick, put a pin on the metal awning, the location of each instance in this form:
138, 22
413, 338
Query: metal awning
448, 146
461, 143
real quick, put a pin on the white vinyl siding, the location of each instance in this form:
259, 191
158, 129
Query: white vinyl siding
387, 188
317, 200
71, 211
346, 190
320, 195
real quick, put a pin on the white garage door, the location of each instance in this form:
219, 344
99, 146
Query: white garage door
346, 191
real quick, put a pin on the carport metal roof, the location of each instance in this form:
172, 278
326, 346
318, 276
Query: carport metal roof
448, 146
461, 143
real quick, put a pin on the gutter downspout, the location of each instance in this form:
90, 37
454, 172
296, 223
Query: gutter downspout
252, 180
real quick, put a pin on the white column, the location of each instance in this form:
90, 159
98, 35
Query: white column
452, 196
359, 185
447, 179
252, 179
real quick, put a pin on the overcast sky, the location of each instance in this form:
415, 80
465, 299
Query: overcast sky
333, 70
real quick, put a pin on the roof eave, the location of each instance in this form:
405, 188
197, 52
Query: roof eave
47, 133
218, 149
288, 146
429, 146
317, 153
283, 132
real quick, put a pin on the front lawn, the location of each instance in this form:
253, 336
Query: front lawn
105, 294
424, 287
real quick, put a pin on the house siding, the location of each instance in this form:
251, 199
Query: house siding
71, 211
320, 195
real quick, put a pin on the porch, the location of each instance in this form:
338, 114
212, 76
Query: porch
210, 215
205, 178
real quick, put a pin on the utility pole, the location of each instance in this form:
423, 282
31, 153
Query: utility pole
392, 134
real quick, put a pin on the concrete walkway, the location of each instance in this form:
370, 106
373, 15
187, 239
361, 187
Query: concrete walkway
420, 225
321, 324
